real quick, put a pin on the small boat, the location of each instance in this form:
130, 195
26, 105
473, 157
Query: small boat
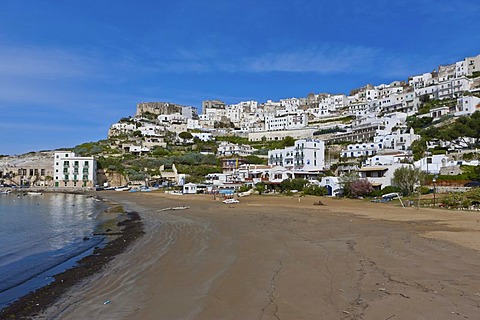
125, 188
33, 193
5, 192
230, 201
180, 208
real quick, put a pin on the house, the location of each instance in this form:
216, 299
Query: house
172, 176
379, 176
332, 184
437, 113
229, 165
432, 164
190, 188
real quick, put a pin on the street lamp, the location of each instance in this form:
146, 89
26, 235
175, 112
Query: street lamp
434, 190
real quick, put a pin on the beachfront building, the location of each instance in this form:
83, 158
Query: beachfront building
333, 185
190, 188
380, 176
305, 155
71, 170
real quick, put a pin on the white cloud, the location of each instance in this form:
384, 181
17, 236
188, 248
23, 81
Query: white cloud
324, 59
40, 62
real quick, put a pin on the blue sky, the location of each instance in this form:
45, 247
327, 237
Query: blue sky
69, 68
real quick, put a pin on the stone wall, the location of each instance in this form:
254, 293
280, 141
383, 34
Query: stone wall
157, 108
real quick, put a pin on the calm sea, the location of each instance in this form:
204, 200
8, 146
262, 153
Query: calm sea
42, 235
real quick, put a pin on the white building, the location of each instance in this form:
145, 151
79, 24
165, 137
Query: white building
286, 122
202, 136
71, 170
432, 164
467, 105
227, 149
388, 159
397, 140
361, 149
121, 128
380, 176
189, 188
332, 184
305, 155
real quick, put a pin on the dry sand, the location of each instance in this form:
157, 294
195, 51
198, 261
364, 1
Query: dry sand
275, 257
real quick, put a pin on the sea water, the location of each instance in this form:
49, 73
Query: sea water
42, 235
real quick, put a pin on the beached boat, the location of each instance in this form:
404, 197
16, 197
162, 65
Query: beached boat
230, 201
122, 188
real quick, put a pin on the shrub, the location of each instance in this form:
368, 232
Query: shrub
360, 188
314, 190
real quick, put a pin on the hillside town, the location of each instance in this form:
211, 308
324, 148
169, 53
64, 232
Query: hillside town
370, 133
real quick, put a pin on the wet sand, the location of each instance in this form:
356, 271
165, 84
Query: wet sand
275, 257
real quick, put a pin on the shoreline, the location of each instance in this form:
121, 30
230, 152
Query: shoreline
124, 233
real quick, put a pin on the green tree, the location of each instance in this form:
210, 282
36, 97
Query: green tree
288, 141
256, 160
314, 190
465, 126
407, 178
346, 182
293, 184
185, 135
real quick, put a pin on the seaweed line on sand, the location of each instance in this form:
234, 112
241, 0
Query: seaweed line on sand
36, 301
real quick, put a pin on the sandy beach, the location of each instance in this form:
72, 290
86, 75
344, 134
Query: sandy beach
278, 257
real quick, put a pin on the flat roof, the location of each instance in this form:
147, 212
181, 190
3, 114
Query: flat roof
373, 169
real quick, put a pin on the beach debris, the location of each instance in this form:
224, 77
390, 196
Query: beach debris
318, 203
107, 302
382, 289
346, 312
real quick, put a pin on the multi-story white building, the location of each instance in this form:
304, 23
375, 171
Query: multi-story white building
227, 149
305, 155
71, 170
467, 105
397, 140
361, 150
467, 66
286, 122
